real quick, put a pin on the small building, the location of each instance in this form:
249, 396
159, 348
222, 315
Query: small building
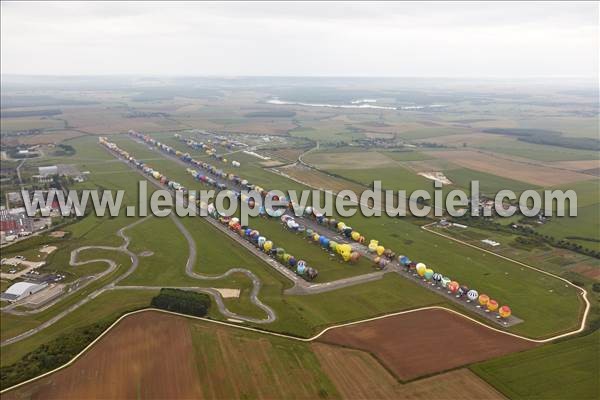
48, 171
21, 290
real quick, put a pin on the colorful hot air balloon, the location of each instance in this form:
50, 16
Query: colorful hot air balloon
483, 299
472, 295
504, 311
463, 290
403, 260
492, 305
421, 269
453, 286
437, 277
428, 273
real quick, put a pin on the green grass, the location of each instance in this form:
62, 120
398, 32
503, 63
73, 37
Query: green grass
533, 151
544, 303
564, 370
488, 184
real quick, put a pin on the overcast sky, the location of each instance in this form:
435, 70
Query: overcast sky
514, 40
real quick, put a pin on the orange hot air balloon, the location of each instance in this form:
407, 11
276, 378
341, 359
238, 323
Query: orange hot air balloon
492, 305
483, 299
453, 286
504, 311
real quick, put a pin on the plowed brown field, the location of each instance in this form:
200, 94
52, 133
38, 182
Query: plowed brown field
357, 375
148, 355
425, 342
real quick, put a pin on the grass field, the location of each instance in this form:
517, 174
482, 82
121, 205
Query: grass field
568, 369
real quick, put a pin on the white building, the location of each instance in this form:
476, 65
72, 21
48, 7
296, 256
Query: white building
20, 290
48, 171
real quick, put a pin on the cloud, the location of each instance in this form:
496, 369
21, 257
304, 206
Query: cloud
505, 39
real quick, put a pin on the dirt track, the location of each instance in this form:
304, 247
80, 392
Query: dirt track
423, 343
129, 362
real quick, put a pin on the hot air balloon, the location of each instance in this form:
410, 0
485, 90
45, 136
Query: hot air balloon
403, 260
341, 226
316, 237
268, 246
373, 245
504, 311
383, 262
437, 277
472, 295
453, 286
361, 239
309, 233
376, 260
483, 299
301, 267
354, 256
428, 273
292, 261
333, 245
355, 236
379, 250
324, 241
344, 250
492, 305
261, 241
463, 290
421, 269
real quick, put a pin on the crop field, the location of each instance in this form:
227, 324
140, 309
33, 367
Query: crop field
140, 359
561, 370
408, 351
358, 375
510, 168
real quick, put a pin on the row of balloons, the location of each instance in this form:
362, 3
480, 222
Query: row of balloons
254, 237
300, 266
454, 287
344, 250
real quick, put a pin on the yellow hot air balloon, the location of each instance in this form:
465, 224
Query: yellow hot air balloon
344, 250
341, 226
421, 268
483, 299
316, 237
379, 250
492, 305
268, 245
355, 236
373, 245
504, 311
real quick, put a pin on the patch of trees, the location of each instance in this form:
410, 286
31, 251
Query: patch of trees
31, 113
182, 301
50, 355
64, 150
271, 114
547, 137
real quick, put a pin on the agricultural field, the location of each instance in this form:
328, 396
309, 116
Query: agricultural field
407, 352
567, 369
